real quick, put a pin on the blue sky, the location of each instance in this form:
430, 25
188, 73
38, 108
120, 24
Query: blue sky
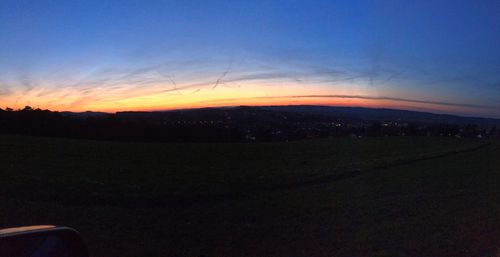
116, 55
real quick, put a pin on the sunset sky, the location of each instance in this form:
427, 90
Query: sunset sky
438, 56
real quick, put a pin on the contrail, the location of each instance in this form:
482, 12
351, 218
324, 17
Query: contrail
223, 75
367, 98
175, 85
171, 80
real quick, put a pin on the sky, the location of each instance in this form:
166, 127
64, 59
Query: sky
118, 55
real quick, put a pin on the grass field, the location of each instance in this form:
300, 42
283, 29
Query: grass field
392, 196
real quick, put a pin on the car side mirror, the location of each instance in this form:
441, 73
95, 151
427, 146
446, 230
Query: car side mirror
41, 241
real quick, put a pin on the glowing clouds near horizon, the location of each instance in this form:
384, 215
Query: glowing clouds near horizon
158, 55
210, 83
165, 96
156, 96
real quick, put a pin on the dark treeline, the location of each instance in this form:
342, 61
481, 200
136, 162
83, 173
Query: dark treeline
217, 125
38, 122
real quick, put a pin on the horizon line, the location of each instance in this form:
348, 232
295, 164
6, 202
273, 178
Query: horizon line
271, 105
226, 102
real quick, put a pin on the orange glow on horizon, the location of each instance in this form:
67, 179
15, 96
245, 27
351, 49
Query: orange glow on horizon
155, 99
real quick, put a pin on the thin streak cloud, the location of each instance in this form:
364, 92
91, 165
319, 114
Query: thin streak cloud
490, 107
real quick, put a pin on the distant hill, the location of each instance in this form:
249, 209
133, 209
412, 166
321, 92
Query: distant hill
243, 123
87, 114
373, 114
274, 114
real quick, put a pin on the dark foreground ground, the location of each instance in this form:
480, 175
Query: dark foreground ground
341, 197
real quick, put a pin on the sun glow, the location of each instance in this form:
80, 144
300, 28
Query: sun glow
162, 96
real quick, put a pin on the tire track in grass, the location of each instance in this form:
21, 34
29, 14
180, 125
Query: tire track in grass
244, 191
328, 178
183, 201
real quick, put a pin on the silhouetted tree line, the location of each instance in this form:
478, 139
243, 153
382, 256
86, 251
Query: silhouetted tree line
38, 122
214, 126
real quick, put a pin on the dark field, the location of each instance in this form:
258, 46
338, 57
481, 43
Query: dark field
391, 196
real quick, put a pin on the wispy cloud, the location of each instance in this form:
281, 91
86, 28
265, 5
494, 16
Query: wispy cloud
397, 99
184, 79
223, 75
